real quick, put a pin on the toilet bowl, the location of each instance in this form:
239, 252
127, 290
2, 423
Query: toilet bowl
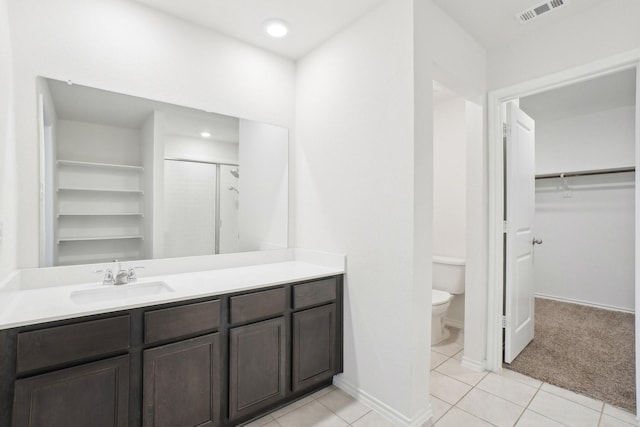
448, 280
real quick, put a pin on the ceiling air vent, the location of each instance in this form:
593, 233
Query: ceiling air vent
540, 9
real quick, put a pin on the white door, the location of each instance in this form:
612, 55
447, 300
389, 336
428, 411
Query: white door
520, 209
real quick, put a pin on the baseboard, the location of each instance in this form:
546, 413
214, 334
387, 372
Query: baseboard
382, 408
588, 304
476, 365
454, 323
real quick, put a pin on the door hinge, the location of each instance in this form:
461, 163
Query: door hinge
504, 322
505, 226
506, 130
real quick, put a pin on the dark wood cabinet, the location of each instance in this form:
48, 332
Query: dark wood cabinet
216, 361
314, 346
257, 363
181, 386
95, 394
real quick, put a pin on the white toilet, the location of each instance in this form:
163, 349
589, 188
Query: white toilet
448, 280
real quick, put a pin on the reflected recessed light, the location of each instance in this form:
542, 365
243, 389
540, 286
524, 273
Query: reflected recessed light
276, 27
205, 134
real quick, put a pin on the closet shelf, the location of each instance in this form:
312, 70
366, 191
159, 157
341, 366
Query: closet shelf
587, 172
99, 165
84, 239
100, 214
100, 190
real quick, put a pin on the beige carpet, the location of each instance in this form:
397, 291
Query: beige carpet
584, 349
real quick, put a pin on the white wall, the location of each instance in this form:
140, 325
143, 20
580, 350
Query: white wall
449, 178
90, 142
356, 156
607, 29
184, 147
8, 182
587, 253
594, 141
263, 195
124, 47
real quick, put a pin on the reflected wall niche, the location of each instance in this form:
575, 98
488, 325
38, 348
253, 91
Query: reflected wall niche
129, 178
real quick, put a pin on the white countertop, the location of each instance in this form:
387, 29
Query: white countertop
31, 306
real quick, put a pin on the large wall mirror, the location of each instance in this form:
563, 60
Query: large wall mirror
129, 178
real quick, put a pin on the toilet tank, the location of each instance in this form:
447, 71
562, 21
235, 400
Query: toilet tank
448, 274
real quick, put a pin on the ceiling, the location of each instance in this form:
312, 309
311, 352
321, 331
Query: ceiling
603, 93
311, 21
87, 104
493, 23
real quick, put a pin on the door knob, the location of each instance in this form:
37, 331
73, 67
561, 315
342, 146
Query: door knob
536, 241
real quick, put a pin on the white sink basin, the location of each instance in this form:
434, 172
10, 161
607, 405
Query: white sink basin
119, 292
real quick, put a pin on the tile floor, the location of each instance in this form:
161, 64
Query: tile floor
461, 397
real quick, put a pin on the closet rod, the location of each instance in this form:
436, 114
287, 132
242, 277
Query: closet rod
586, 173
200, 161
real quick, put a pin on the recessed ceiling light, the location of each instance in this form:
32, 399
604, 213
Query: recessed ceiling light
276, 27
205, 134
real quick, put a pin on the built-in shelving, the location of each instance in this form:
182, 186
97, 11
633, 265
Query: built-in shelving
100, 214
99, 165
103, 190
90, 238
99, 208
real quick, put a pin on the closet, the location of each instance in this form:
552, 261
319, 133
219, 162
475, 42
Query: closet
583, 256
585, 202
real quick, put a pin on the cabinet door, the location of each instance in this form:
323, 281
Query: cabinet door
182, 383
314, 346
95, 394
257, 363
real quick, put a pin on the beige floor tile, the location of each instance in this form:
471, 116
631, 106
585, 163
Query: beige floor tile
574, 397
292, 406
323, 391
451, 345
458, 418
373, 419
437, 359
313, 414
609, 421
514, 391
532, 419
260, 421
454, 369
344, 406
273, 423
620, 414
563, 410
459, 355
521, 378
439, 408
490, 408
446, 388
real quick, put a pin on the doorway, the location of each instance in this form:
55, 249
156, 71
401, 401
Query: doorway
580, 245
496, 187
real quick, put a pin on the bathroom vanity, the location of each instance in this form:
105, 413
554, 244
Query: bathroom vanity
211, 352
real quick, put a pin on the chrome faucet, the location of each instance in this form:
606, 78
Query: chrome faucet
108, 276
121, 278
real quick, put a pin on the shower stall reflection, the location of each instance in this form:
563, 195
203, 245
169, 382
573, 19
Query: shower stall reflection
201, 202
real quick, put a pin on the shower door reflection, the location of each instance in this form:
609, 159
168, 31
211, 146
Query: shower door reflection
200, 208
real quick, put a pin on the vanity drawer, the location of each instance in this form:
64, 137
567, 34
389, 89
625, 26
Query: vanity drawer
258, 305
314, 293
175, 322
68, 343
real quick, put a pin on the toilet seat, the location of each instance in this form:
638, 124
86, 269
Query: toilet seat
439, 297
